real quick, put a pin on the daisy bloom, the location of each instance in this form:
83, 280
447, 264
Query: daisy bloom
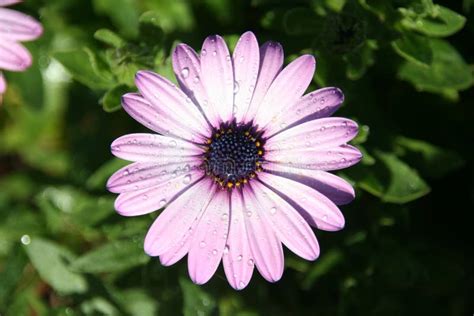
240, 160
15, 27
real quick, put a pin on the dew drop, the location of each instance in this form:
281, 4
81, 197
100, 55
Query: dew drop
202, 244
25, 239
241, 285
227, 58
250, 262
214, 53
325, 217
204, 52
185, 72
145, 197
239, 258
241, 59
226, 249
322, 129
236, 87
214, 252
162, 202
187, 179
173, 143
249, 213
224, 216
273, 210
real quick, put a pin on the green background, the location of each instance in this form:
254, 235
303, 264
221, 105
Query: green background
405, 67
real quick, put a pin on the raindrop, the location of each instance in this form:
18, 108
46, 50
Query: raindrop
196, 79
343, 160
162, 202
204, 52
145, 197
173, 143
250, 262
241, 284
187, 179
249, 213
239, 258
322, 100
185, 72
226, 249
325, 217
202, 244
214, 53
236, 87
308, 144
25, 239
224, 216
227, 57
126, 173
322, 129
241, 59
273, 210
214, 252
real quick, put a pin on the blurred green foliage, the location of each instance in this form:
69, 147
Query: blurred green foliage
405, 67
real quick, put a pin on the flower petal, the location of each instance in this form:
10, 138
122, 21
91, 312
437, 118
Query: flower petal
266, 248
148, 200
246, 59
271, 61
154, 148
155, 118
209, 239
314, 105
335, 188
171, 101
289, 226
13, 56
286, 89
316, 134
315, 208
218, 76
174, 222
237, 259
142, 175
187, 68
16, 26
332, 158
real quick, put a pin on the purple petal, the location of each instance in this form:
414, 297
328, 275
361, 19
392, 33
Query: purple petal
317, 104
187, 68
335, 188
209, 239
142, 175
16, 26
156, 118
154, 148
13, 56
246, 59
148, 200
174, 222
317, 209
320, 159
218, 76
237, 259
171, 101
286, 89
4, 3
266, 248
316, 134
289, 226
271, 61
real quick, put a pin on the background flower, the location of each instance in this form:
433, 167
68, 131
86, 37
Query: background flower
15, 27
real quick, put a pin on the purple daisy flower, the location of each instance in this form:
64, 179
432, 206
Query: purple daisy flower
15, 27
240, 162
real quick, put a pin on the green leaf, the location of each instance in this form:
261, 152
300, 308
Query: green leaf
390, 179
440, 23
359, 60
430, 159
85, 68
139, 303
112, 257
123, 13
196, 301
326, 263
109, 37
335, 5
447, 71
301, 21
112, 99
51, 262
414, 48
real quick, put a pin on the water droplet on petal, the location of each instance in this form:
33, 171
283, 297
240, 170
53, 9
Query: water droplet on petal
250, 262
325, 217
187, 179
249, 213
226, 249
239, 258
214, 53
185, 72
145, 197
162, 202
196, 79
204, 52
202, 244
224, 216
273, 210
173, 143
241, 285
236, 87
214, 252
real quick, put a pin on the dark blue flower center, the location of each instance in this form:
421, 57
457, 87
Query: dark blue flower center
234, 154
